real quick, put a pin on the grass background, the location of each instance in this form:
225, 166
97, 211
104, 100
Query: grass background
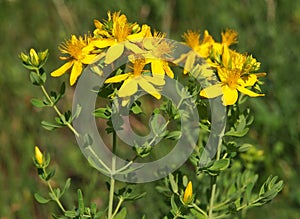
268, 29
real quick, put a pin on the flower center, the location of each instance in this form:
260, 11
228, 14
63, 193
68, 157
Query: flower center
138, 67
232, 79
74, 47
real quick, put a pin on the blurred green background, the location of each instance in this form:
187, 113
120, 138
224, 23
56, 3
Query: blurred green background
269, 29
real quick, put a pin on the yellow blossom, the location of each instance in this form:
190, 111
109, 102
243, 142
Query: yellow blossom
229, 37
117, 36
158, 49
199, 49
38, 155
233, 78
134, 79
78, 50
188, 193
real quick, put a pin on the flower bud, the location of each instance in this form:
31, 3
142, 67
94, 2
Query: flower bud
38, 155
24, 57
136, 28
34, 58
188, 193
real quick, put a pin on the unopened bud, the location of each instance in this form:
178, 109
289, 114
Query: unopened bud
188, 193
38, 155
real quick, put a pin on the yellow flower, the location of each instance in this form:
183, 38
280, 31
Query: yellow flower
198, 49
234, 77
229, 37
188, 193
158, 49
133, 80
78, 50
38, 155
117, 36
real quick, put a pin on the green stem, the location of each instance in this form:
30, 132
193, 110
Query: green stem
118, 207
214, 178
214, 184
57, 110
99, 160
199, 209
56, 199
112, 179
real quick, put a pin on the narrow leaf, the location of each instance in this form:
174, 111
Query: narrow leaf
41, 199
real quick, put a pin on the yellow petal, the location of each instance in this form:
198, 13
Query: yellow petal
212, 91
226, 59
222, 73
230, 96
88, 59
98, 24
248, 92
60, 71
128, 88
189, 63
180, 59
156, 79
168, 70
149, 88
157, 67
133, 47
114, 53
117, 78
145, 32
76, 71
250, 81
103, 43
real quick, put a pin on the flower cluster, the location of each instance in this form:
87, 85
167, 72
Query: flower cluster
148, 64
235, 71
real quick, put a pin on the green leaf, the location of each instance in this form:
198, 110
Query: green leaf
77, 112
220, 165
36, 79
102, 113
173, 204
37, 103
173, 183
57, 192
43, 76
80, 202
71, 214
174, 135
62, 89
142, 151
50, 174
40, 199
235, 133
245, 147
122, 214
133, 197
67, 185
136, 109
197, 214
50, 125
185, 180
